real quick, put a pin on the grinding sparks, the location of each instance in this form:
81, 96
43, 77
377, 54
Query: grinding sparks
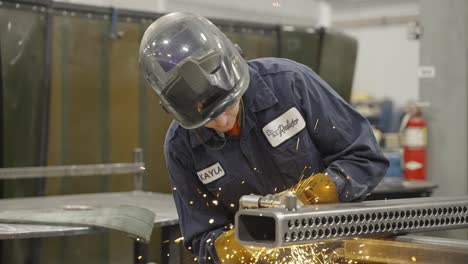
211, 221
296, 254
178, 240
316, 123
215, 202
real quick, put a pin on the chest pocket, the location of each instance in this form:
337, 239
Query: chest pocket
296, 157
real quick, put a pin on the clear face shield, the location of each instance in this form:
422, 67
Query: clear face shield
195, 70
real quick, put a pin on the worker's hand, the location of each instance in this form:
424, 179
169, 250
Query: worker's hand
316, 189
229, 251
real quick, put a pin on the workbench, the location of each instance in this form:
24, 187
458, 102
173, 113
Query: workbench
161, 204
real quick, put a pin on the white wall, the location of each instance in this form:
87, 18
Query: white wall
387, 62
294, 12
346, 10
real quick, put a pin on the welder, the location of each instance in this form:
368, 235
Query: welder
248, 127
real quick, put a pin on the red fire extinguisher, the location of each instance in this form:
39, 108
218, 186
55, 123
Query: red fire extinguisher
414, 135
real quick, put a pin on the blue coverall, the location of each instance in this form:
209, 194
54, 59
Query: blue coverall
209, 173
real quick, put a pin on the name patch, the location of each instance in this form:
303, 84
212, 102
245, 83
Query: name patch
284, 127
211, 173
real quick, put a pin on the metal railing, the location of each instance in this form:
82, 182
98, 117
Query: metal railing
137, 167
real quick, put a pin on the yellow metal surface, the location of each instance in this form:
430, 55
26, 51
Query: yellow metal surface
385, 251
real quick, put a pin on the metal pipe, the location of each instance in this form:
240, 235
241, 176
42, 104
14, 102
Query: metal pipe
71, 170
274, 227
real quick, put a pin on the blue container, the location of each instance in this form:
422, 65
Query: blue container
394, 173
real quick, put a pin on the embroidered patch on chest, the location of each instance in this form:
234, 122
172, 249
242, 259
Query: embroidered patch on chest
284, 127
211, 173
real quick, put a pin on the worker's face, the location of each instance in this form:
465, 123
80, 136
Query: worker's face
225, 121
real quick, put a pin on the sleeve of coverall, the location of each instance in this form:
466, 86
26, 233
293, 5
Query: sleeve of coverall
350, 153
200, 220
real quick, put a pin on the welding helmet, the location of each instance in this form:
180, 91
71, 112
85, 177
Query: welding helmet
194, 69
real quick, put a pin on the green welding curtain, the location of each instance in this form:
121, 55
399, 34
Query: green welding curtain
255, 43
22, 46
338, 61
301, 46
330, 53
100, 110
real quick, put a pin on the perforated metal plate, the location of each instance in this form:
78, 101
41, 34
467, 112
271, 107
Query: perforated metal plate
276, 227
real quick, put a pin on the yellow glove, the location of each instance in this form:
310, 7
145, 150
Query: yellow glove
229, 251
316, 189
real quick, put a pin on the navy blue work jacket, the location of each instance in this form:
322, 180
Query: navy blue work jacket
293, 124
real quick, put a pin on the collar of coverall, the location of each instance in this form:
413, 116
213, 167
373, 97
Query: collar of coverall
255, 99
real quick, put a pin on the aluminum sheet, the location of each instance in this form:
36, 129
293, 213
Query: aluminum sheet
162, 205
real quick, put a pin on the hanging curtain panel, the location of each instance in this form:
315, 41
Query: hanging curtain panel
301, 46
22, 47
255, 42
101, 109
79, 123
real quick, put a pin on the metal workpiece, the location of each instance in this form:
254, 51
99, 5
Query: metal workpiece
162, 205
135, 221
276, 227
